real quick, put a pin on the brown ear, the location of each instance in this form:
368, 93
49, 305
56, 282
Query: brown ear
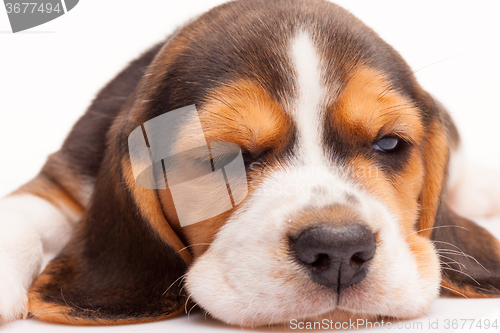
435, 154
469, 254
123, 264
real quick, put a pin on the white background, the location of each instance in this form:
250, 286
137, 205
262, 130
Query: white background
49, 75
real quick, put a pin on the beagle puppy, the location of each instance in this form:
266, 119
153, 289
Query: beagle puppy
351, 173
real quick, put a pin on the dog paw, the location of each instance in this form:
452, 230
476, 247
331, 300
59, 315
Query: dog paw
13, 295
32, 232
20, 262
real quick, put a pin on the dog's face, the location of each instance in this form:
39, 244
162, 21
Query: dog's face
337, 174
335, 152
346, 161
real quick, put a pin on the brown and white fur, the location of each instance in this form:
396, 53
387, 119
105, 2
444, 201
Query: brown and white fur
307, 91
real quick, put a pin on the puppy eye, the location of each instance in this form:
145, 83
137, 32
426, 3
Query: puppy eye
388, 144
249, 158
254, 155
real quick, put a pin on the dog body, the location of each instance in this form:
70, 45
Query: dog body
347, 213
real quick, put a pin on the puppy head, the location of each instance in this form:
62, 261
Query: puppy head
346, 160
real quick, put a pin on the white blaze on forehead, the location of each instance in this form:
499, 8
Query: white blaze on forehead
307, 109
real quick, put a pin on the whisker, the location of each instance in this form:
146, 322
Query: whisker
438, 227
454, 291
466, 256
185, 304
461, 252
182, 288
434, 63
455, 270
191, 309
391, 87
440, 253
179, 278
197, 244
424, 254
246, 310
453, 260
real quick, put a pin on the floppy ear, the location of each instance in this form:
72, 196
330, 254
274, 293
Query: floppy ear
124, 262
435, 154
122, 265
469, 254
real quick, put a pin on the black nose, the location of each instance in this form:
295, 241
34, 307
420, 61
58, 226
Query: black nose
336, 257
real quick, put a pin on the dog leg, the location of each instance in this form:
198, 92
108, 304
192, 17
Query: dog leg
36, 222
32, 232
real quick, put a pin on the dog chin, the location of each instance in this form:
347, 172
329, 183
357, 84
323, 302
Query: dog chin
214, 292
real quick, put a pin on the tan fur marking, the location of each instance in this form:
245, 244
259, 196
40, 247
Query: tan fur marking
243, 113
435, 159
198, 235
53, 313
424, 253
399, 195
466, 291
47, 190
310, 217
370, 109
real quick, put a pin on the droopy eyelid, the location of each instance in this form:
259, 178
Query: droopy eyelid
400, 134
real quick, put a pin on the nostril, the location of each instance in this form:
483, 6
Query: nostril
322, 262
358, 259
